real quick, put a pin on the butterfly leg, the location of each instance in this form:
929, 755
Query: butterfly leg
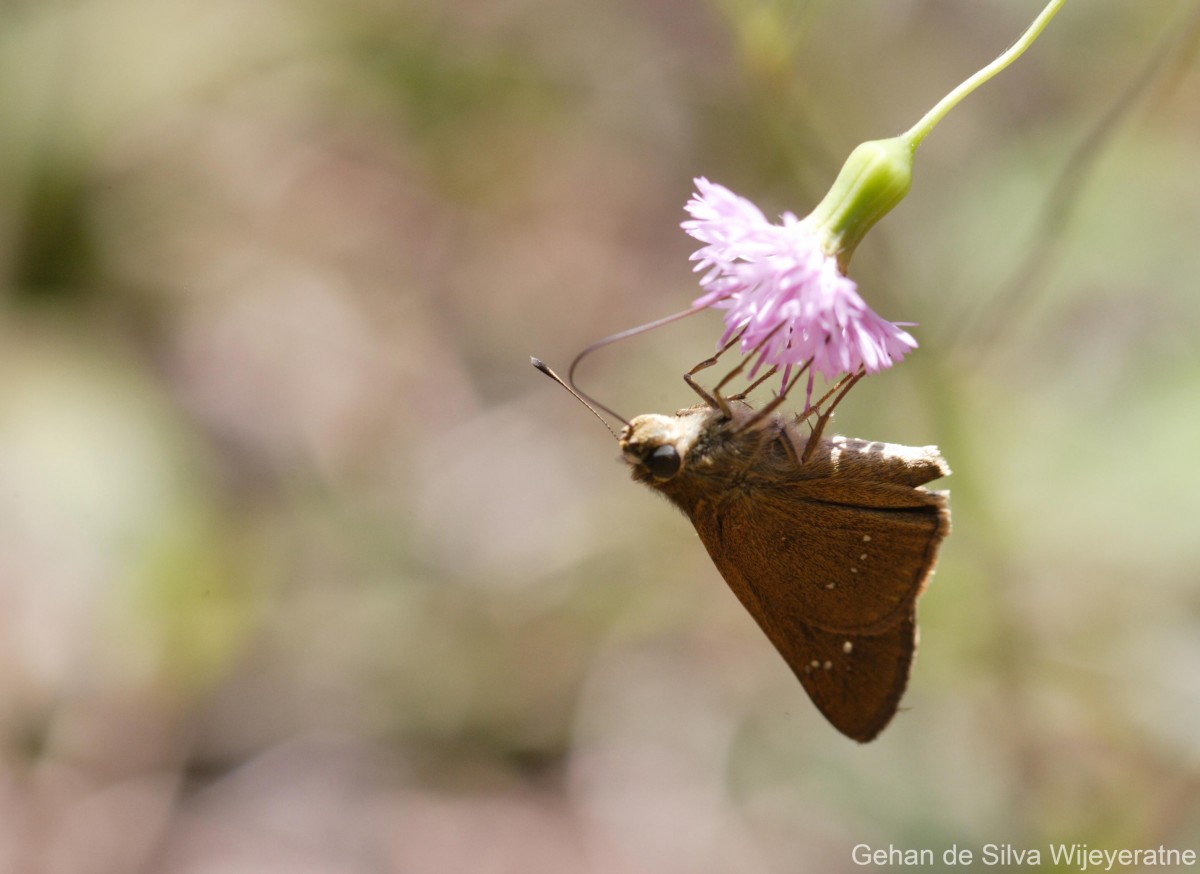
741, 396
816, 408
746, 359
842, 388
775, 402
713, 400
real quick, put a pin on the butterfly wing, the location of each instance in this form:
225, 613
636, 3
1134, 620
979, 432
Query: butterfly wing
856, 681
833, 555
831, 573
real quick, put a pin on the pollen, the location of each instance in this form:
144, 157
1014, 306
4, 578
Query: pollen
848, 647
866, 538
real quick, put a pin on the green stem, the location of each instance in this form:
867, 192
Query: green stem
918, 131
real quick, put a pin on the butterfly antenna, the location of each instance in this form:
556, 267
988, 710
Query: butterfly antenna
579, 396
593, 403
622, 335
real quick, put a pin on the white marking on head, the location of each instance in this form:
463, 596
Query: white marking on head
848, 647
682, 431
866, 538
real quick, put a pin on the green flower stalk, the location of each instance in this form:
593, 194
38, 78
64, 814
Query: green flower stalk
784, 286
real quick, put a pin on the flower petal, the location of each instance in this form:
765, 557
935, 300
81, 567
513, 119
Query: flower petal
778, 283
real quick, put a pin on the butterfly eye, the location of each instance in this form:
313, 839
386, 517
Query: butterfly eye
663, 462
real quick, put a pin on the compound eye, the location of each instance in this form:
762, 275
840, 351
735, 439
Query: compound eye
664, 462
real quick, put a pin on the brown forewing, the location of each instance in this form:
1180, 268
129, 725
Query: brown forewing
836, 565
829, 562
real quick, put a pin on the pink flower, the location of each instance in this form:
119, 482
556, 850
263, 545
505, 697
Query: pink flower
778, 283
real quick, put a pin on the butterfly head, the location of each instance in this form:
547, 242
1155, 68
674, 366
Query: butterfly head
659, 447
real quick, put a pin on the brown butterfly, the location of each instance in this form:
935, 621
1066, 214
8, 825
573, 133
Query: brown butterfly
827, 542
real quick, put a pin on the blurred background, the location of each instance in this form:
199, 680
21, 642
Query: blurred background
304, 568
